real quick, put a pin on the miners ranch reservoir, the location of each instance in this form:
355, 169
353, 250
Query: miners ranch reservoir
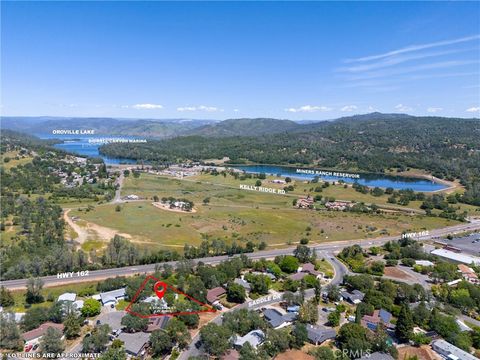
370, 180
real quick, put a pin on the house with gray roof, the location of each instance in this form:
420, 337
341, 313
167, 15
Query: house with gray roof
355, 297
112, 319
318, 334
255, 338
449, 351
377, 356
243, 283
278, 320
71, 297
112, 297
135, 343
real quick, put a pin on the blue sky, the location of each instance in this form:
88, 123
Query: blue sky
218, 60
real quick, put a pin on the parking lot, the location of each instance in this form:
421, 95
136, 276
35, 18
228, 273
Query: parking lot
467, 244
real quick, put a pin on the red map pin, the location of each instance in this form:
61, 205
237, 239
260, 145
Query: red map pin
160, 287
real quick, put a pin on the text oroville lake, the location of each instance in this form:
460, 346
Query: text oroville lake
261, 189
73, 132
328, 173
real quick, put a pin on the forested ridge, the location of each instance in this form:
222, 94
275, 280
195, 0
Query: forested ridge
449, 148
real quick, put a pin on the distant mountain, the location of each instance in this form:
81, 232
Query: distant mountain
170, 128
245, 127
104, 126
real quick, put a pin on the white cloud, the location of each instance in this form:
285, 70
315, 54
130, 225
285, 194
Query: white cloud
385, 73
395, 60
199, 108
415, 48
145, 106
434, 109
236, 110
349, 108
401, 107
473, 109
308, 108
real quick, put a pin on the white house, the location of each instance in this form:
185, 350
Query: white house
112, 297
67, 297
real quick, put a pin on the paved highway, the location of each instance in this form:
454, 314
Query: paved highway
330, 247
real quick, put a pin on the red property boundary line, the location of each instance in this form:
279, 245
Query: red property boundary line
142, 286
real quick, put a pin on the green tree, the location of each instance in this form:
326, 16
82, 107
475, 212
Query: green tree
277, 341
34, 288
318, 291
247, 352
334, 318
289, 264
404, 328
161, 343
333, 292
6, 298
300, 335
215, 339
51, 341
353, 337
98, 339
114, 353
134, 323
91, 307
236, 293
33, 318
178, 332
308, 312
72, 325
9, 333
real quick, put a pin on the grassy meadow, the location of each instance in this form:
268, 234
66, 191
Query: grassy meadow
239, 214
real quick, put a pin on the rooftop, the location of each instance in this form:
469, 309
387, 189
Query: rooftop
215, 293
254, 338
135, 342
318, 334
41, 330
463, 258
113, 295
276, 319
113, 319
448, 349
242, 283
67, 297
377, 356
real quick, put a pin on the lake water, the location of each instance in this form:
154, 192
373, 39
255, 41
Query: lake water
81, 145
370, 180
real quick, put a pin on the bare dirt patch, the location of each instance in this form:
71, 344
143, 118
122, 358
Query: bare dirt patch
397, 273
423, 353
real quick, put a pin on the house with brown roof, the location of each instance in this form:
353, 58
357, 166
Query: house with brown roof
214, 294
381, 316
305, 202
468, 274
33, 336
304, 270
